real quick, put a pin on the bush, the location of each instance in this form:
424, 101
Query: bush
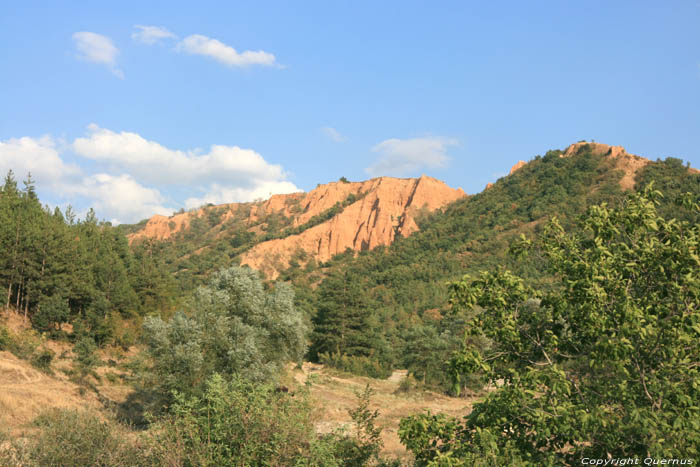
239, 422
357, 365
5, 339
75, 438
42, 359
85, 356
235, 328
24, 344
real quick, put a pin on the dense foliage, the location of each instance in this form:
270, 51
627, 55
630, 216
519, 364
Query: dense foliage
56, 269
237, 422
232, 422
402, 286
233, 327
606, 364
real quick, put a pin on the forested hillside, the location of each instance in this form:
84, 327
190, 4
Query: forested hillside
296, 229
382, 309
56, 269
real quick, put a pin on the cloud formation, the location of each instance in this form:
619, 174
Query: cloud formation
333, 134
39, 156
155, 163
197, 44
121, 197
401, 157
96, 48
151, 34
133, 178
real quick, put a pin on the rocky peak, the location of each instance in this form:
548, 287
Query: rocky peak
628, 163
517, 166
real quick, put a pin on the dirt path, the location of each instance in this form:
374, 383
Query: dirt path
335, 394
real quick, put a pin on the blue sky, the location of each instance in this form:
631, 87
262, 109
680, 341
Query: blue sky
144, 107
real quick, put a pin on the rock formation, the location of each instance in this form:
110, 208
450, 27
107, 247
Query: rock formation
628, 163
382, 209
386, 208
517, 165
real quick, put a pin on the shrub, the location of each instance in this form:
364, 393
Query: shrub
77, 438
357, 365
42, 359
239, 422
24, 344
235, 328
5, 339
85, 356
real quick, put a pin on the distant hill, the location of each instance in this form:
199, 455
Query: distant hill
473, 233
298, 228
288, 233
402, 287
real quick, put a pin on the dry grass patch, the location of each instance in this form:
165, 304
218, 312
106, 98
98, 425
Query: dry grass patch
335, 393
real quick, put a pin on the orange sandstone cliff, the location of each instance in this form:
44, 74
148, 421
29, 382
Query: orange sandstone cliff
387, 208
384, 208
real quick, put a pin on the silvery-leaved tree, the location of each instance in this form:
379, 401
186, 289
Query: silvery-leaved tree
604, 365
232, 327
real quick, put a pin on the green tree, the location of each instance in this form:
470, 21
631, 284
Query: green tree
234, 327
605, 364
238, 422
346, 331
85, 356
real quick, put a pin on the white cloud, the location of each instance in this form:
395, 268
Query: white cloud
333, 134
218, 194
224, 174
97, 48
198, 44
155, 163
39, 156
151, 34
407, 156
132, 178
120, 197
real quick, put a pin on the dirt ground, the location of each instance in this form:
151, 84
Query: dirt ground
25, 392
335, 394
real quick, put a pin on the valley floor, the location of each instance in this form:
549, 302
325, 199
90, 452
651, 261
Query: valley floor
335, 394
26, 391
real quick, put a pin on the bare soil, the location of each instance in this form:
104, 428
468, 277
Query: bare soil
336, 393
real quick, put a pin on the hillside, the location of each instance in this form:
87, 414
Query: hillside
369, 263
402, 287
385, 209
298, 228
26, 392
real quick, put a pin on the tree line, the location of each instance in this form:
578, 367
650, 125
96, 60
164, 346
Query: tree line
57, 269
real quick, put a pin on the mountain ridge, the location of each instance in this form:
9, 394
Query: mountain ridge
316, 225
301, 228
